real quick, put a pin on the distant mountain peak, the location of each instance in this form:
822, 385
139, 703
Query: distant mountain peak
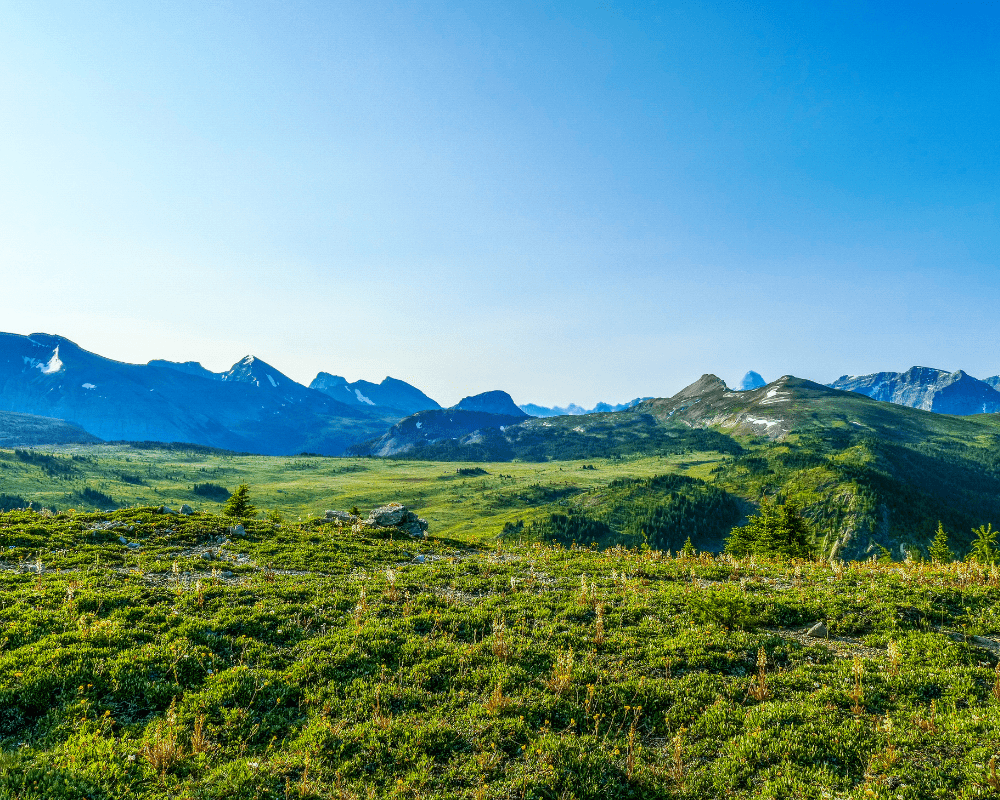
391, 393
251, 369
752, 380
495, 402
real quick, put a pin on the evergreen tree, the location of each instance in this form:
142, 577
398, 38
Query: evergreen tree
780, 532
688, 550
238, 505
984, 546
939, 550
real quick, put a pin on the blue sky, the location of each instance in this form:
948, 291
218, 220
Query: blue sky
569, 201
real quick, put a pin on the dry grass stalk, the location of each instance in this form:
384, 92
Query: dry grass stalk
199, 739
380, 717
993, 779
497, 701
599, 626
857, 694
928, 725
162, 748
499, 642
633, 748
895, 659
758, 689
362, 606
562, 673
996, 683
677, 768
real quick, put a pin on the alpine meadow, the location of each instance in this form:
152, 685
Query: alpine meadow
478, 400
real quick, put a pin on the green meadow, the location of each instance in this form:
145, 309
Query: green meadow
310, 661
470, 507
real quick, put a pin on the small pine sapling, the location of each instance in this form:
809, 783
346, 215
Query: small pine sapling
939, 550
984, 546
238, 506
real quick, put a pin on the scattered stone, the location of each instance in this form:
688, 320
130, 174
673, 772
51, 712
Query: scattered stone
419, 559
108, 525
186, 509
208, 555
123, 540
237, 530
341, 517
165, 510
819, 631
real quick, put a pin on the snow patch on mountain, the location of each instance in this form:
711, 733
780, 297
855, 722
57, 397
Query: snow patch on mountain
54, 364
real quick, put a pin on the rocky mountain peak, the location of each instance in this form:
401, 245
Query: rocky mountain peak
251, 369
752, 380
926, 388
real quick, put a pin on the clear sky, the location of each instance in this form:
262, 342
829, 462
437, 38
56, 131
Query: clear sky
570, 201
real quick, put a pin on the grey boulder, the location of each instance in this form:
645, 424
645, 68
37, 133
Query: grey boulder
386, 516
819, 631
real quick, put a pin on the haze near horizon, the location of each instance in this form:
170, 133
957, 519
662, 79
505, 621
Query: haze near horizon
570, 202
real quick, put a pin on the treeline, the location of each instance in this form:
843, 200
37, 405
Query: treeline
12, 502
211, 491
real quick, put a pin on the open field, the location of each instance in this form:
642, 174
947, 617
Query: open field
308, 661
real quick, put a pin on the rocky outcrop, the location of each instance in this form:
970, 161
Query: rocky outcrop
393, 515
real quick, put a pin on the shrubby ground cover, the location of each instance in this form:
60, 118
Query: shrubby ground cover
310, 661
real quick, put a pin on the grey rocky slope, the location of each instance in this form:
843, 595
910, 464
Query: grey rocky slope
251, 407
928, 389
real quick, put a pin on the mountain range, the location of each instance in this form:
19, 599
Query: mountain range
251, 407
928, 389
573, 410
